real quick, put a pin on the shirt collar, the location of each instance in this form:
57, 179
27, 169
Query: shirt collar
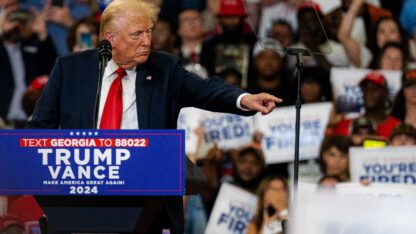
112, 68
186, 51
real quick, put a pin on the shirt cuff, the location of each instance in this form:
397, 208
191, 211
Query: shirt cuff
239, 101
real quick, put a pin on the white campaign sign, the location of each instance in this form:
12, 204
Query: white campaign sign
233, 210
227, 130
278, 128
376, 190
323, 213
189, 119
347, 92
393, 164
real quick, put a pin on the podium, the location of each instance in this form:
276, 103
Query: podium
118, 214
97, 181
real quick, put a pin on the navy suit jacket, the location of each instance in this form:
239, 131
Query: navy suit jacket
67, 101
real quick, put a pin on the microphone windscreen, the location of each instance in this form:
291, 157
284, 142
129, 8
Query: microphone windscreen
104, 50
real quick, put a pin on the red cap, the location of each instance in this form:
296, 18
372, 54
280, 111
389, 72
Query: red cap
39, 82
375, 78
232, 8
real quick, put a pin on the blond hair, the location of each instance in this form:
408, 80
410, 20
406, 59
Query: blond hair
257, 219
117, 8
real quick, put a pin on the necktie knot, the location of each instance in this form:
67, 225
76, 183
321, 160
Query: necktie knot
121, 72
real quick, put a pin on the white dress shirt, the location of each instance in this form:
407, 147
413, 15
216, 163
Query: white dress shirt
129, 118
16, 111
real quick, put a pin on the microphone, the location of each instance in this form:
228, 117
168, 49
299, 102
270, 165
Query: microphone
104, 55
104, 51
285, 226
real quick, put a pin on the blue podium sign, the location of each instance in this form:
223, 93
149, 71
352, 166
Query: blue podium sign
91, 162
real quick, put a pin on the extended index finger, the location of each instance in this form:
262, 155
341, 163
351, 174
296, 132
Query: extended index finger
270, 97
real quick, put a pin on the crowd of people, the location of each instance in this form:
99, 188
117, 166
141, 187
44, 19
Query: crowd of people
243, 42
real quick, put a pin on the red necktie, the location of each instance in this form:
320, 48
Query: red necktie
113, 109
194, 57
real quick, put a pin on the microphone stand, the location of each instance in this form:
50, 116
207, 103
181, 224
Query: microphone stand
299, 53
101, 66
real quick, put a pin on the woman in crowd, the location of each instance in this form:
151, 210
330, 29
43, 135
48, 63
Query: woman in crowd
272, 206
403, 135
333, 157
386, 29
83, 34
391, 57
315, 85
357, 53
405, 102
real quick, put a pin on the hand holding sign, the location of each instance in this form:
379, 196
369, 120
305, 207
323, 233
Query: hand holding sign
233, 210
262, 102
214, 154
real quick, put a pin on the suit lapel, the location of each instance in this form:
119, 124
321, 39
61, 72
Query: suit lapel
6, 81
144, 88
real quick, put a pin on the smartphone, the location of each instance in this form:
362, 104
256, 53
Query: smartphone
86, 40
21, 15
58, 3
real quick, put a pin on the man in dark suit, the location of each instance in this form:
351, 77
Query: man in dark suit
154, 89
26, 52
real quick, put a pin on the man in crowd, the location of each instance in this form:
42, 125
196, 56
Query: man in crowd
191, 32
232, 46
140, 90
26, 52
271, 76
375, 95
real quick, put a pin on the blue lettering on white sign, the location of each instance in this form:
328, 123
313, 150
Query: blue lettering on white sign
350, 99
236, 219
401, 172
226, 129
283, 134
